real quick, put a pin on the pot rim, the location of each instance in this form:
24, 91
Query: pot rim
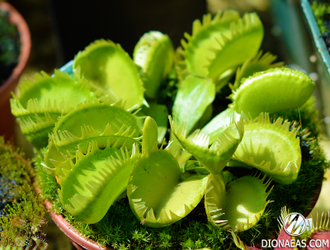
25, 36
71, 232
77, 239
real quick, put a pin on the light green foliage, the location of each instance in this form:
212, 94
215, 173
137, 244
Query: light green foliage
217, 46
107, 65
273, 90
154, 53
243, 42
150, 135
218, 123
158, 195
215, 157
111, 143
194, 95
321, 11
101, 173
204, 36
42, 101
91, 121
271, 147
159, 113
241, 206
174, 197
254, 64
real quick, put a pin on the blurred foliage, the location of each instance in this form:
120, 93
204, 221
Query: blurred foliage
9, 46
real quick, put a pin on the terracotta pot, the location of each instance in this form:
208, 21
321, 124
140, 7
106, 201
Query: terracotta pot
7, 122
314, 200
77, 240
82, 243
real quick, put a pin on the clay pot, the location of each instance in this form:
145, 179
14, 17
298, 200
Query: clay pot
7, 122
76, 239
82, 243
314, 200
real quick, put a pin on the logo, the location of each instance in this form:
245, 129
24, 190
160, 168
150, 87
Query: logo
294, 224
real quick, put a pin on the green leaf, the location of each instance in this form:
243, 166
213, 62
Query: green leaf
92, 121
95, 181
55, 94
43, 100
215, 157
253, 65
205, 37
246, 200
150, 135
215, 198
243, 42
36, 128
273, 148
219, 123
241, 205
154, 54
157, 195
65, 144
97, 114
109, 66
272, 91
159, 113
194, 95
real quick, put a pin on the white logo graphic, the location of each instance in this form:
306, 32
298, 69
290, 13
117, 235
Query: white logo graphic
294, 224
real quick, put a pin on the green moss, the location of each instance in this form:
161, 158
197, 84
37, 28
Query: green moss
321, 12
121, 230
21, 224
47, 183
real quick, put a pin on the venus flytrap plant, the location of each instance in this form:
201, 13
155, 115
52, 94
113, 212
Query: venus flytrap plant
203, 56
37, 107
154, 54
320, 230
102, 173
212, 48
247, 194
248, 33
241, 205
154, 57
277, 92
215, 157
103, 123
114, 141
100, 63
175, 195
277, 88
254, 64
194, 93
256, 151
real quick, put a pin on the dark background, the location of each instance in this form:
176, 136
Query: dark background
61, 28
